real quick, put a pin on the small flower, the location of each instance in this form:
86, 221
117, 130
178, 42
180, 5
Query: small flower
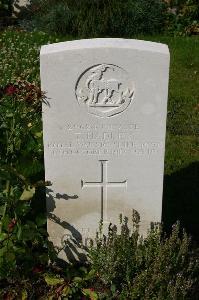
197, 107
29, 125
29, 87
12, 224
37, 269
10, 90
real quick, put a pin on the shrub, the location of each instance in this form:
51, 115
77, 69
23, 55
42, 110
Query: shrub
51, 16
88, 18
183, 17
22, 235
130, 267
5, 8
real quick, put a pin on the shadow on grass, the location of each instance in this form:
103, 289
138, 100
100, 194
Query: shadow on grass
181, 200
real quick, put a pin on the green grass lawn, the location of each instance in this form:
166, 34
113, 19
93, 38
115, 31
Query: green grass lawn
19, 57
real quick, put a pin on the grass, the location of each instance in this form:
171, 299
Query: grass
181, 188
19, 57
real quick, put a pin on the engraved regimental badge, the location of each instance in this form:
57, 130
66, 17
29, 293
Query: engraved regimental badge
104, 90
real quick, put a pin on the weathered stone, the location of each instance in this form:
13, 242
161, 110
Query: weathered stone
104, 134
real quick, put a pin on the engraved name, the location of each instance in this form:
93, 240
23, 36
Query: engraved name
124, 127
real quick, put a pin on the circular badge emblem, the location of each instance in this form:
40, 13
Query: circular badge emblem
104, 90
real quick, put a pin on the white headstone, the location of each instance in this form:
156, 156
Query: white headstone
18, 5
104, 134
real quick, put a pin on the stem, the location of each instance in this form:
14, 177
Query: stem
7, 188
4, 213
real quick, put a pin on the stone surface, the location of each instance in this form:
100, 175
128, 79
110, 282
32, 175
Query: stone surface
104, 134
18, 5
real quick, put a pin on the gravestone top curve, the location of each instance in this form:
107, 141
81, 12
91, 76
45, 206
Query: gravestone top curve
105, 43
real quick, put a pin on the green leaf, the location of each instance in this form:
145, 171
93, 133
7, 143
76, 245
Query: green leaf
66, 291
24, 295
40, 220
28, 233
43, 258
90, 275
53, 280
19, 232
27, 194
3, 125
77, 279
22, 208
113, 288
2, 210
90, 293
3, 236
3, 251
19, 250
10, 256
83, 270
39, 134
9, 115
5, 222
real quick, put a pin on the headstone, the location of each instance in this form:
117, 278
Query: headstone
18, 5
104, 135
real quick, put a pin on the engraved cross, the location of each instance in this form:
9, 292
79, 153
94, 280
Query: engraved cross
103, 184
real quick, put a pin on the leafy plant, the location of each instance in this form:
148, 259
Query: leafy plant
21, 173
131, 267
19, 55
183, 17
24, 247
6, 14
5, 8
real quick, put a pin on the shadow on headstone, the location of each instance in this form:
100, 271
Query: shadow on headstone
181, 200
51, 200
72, 243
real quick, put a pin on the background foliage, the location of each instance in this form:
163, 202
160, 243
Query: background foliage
183, 17
88, 18
21, 168
6, 10
5, 7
